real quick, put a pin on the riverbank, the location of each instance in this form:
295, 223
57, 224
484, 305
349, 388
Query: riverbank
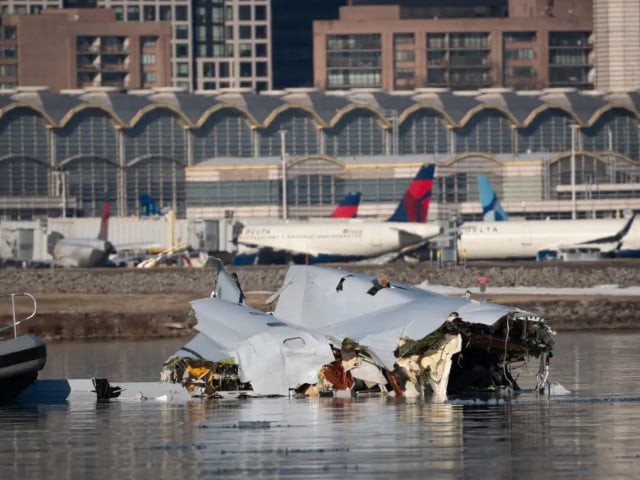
76, 304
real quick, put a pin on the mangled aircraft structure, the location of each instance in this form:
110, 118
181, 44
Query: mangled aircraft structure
339, 333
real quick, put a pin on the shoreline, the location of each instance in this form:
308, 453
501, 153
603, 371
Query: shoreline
105, 304
77, 317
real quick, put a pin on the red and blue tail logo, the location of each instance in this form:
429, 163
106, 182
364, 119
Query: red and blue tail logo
414, 206
348, 207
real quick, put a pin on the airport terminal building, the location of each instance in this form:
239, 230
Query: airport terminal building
225, 154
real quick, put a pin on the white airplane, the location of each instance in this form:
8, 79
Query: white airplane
540, 239
82, 252
347, 240
497, 237
340, 332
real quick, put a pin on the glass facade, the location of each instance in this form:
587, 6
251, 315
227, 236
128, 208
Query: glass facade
354, 61
570, 59
519, 55
458, 60
154, 152
404, 75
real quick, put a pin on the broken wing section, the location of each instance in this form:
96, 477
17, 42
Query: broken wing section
227, 283
270, 355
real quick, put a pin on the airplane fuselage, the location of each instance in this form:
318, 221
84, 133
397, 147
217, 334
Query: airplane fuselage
350, 239
525, 239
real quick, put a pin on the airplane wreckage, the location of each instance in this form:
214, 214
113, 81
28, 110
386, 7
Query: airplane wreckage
337, 333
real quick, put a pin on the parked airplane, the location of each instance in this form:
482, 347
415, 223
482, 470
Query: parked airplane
347, 208
82, 252
492, 210
337, 332
491, 207
315, 242
540, 239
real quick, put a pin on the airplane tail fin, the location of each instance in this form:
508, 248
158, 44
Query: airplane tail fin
492, 210
52, 239
348, 207
414, 206
148, 207
103, 234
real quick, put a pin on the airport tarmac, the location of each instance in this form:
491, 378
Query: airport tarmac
76, 304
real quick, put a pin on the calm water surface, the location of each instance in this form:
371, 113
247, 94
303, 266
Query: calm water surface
594, 433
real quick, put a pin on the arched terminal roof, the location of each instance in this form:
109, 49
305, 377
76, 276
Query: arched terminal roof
327, 108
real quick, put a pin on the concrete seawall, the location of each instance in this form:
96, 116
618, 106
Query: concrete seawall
114, 303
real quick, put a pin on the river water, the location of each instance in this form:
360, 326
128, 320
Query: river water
593, 433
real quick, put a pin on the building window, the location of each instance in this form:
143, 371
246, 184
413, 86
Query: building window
519, 36
149, 12
20, 9
182, 32
403, 39
7, 33
261, 86
183, 69
217, 14
165, 13
261, 50
181, 13
201, 33
224, 70
245, 32
261, 31
8, 52
200, 16
203, 51
148, 77
35, 9
182, 50
133, 13
244, 12
218, 50
218, 33
228, 12
246, 84
229, 31
520, 72
246, 69
245, 49
519, 54
260, 12
8, 70
404, 55
119, 11
261, 69
208, 69
148, 41
354, 42
148, 59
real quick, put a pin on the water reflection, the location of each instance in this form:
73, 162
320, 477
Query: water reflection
591, 435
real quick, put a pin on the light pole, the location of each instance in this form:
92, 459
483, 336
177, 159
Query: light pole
573, 170
283, 159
